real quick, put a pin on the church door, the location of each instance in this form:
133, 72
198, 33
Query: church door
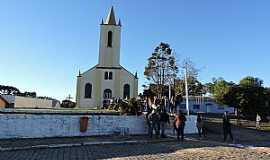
126, 94
107, 94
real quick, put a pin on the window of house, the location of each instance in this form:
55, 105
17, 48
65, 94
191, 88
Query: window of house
88, 91
196, 106
110, 36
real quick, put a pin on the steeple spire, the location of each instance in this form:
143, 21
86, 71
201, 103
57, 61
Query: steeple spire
119, 22
111, 17
102, 22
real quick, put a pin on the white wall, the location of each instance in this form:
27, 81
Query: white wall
52, 125
28, 102
38, 126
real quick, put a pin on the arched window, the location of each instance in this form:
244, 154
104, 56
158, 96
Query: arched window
106, 75
107, 94
110, 75
126, 93
110, 37
88, 91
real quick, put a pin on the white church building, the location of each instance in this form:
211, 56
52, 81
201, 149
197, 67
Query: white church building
108, 79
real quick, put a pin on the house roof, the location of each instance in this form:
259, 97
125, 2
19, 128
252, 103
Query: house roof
8, 98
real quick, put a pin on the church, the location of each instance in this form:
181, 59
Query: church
108, 79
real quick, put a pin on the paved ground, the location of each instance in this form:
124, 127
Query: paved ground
11, 144
256, 145
166, 150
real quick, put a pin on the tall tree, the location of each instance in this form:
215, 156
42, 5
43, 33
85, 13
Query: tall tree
161, 68
9, 90
195, 87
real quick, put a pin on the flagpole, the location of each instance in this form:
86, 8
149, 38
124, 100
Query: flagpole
186, 88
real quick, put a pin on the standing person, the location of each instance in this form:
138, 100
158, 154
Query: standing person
199, 124
179, 122
258, 120
164, 119
149, 121
227, 127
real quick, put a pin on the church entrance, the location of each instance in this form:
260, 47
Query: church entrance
107, 96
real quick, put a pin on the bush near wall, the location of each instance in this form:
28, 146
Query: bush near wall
129, 107
68, 104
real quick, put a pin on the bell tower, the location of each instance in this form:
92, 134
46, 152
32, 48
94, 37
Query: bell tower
109, 44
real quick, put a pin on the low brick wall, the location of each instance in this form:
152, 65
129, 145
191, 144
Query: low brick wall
56, 125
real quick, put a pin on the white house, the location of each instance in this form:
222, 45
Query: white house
13, 101
108, 79
205, 105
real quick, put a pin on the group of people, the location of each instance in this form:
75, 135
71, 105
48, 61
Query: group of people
158, 119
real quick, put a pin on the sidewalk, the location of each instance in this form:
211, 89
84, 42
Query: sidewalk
21, 144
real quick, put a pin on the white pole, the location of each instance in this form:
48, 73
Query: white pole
186, 87
170, 94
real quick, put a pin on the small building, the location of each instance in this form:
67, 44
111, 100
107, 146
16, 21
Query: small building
3, 103
12, 101
201, 104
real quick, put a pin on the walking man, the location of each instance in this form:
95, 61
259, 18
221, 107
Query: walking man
226, 127
164, 119
200, 126
179, 122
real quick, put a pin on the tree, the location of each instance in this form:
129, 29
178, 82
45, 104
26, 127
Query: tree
219, 88
9, 90
195, 87
249, 97
161, 68
251, 82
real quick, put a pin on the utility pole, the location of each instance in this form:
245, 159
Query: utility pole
186, 88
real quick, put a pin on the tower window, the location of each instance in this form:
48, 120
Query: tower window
106, 76
110, 36
110, 75
88, 91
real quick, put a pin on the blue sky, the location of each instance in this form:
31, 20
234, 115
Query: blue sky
43, 44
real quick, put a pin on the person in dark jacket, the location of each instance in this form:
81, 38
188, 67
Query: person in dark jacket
227, 127
164, 119
179, 124
201, 126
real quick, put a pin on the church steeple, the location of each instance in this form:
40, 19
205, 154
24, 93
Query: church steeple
111, 17
110, 38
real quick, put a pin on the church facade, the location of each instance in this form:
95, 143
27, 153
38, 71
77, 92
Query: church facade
108, 79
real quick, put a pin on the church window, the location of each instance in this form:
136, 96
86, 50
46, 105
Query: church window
107, 94
110, 75
110, 36
88, 91
126, 93
106, 76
